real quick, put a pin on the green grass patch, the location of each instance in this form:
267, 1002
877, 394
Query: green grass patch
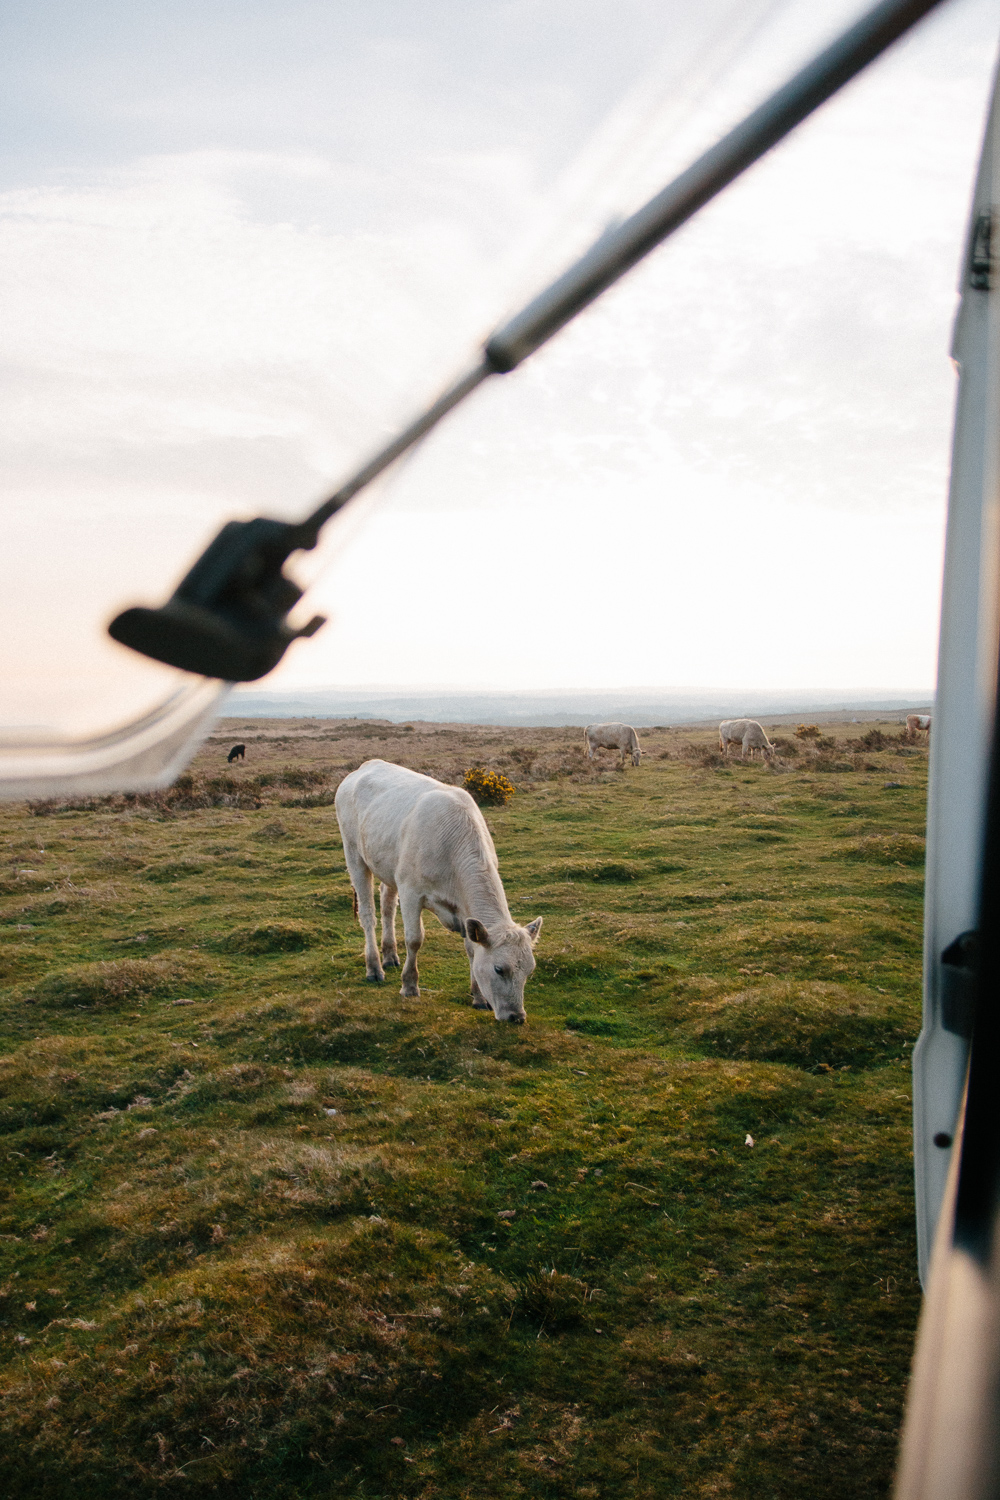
269, 1232
807, 1024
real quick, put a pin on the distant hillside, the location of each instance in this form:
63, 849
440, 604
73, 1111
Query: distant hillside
641, 706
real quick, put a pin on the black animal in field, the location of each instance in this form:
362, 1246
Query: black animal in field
238, 752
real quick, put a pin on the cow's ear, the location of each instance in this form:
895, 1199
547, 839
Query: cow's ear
533, 929
476, 933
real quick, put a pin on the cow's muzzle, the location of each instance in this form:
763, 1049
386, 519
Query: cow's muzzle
517, 1020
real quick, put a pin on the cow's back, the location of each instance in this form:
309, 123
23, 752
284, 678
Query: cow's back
409, 827
610, 736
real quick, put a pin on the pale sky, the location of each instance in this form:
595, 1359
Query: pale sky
239, 242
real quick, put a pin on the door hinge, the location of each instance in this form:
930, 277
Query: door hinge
959, 973
980, 259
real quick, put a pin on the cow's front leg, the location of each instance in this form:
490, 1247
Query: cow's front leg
413, 935
479, 1000
388, 897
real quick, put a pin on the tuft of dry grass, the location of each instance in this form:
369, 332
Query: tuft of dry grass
270, 937
888, 849
116, 982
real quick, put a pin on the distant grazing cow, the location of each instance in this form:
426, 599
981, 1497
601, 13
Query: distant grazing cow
621, 737
429, 846
917, 724
238, 752
748, 734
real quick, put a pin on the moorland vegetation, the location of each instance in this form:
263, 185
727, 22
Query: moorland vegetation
268, 1231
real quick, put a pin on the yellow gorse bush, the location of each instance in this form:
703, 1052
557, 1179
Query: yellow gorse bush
490, 787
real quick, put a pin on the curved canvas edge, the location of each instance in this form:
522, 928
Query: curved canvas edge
137, 757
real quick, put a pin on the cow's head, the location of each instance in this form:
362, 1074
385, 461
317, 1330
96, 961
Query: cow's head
501, 964
636, 756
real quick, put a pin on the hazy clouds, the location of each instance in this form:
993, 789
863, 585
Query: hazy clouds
239, 242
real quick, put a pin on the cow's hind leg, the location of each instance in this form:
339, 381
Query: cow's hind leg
413, 934
364, 899
479, 1000
388, 897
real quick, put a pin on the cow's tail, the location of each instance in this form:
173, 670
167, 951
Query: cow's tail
355, 896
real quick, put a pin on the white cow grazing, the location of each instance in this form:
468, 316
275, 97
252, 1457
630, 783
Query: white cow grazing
429, 846
748, 734
621, 737
917, 723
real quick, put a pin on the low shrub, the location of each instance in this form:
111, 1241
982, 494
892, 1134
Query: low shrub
189, 793
271, 832
311, 799
807, 732
300, 777
490, 788
702, 755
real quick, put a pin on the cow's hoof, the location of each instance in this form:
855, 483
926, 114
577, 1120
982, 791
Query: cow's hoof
390, 963
478, 1004
410, 994
375, 979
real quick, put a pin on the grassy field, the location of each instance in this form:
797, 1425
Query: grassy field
268, 1231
